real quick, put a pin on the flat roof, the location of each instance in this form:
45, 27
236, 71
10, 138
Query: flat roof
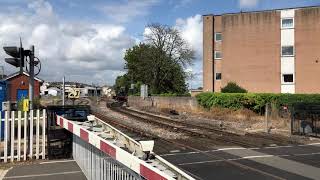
267, 10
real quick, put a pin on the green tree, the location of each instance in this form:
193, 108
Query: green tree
167, 77
122, 84
159, 62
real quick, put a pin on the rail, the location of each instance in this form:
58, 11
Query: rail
137, 156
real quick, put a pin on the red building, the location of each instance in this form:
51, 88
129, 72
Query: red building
18, 86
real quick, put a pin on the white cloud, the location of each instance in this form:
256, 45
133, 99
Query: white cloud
248, 3
125, 11
191, 31
82, 51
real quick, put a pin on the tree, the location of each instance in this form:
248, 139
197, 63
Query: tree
171, 50
160, 61
169, 40
122, 84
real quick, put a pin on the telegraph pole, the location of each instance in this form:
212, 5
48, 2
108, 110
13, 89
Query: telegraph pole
31, 77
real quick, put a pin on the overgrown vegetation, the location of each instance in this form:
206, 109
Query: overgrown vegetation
232, 87
159, 62
174, 95
253, 101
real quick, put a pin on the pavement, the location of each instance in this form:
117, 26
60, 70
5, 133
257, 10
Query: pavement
50, 170
275, 162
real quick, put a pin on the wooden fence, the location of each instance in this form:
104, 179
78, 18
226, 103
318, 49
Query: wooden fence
23, 136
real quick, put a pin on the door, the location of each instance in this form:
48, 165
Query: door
22, 94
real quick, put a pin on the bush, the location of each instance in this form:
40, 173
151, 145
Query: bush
232, 87
253, 101
173, 95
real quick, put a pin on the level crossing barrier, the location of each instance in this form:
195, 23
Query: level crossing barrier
104, 152
24, 135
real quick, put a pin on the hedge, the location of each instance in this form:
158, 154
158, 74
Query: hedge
253, 101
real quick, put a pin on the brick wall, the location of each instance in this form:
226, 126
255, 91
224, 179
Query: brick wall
21, 82
208, 53
251, 51
307, 45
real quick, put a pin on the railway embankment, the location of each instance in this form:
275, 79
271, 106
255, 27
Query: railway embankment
189, 110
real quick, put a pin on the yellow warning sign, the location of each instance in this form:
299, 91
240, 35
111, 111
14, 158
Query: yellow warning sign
74, 93
25, 105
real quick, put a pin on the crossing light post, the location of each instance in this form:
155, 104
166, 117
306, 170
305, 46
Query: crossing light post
17, 56
17, 59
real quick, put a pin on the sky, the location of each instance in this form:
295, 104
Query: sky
85, 40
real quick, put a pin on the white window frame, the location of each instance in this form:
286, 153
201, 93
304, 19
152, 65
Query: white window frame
282, 78
287, 27
215, 37
215, 55
216, 76
293, 51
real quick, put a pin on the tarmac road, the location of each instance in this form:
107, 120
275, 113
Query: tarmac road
51, 170
278, 162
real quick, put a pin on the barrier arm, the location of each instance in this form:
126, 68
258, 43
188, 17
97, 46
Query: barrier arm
124, 149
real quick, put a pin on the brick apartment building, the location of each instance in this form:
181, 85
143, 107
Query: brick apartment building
276, 51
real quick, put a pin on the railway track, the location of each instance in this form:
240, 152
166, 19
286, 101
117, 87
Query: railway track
219, 136
267, 138
190, 146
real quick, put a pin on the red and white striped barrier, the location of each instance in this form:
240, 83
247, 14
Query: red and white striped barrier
108, 146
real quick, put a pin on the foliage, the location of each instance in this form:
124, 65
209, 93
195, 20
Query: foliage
159, 62
253, 101
173, 95
20, 104
232, 87
36, 103
122, 84
170, 41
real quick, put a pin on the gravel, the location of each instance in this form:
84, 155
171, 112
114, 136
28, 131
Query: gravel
143, 126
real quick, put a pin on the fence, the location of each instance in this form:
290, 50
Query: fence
24, 135
305, 119
97, 165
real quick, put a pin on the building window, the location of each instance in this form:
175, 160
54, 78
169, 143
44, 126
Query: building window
218, 37
218, 76
287, 78
287, 51
287, 23
217, 55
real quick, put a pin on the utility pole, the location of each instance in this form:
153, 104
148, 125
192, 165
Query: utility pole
31, 75
63, 90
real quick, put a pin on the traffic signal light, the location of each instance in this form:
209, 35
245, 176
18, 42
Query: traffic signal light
17, 56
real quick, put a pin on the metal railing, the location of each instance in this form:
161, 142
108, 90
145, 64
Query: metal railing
305, 119
97, 165
121, 152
